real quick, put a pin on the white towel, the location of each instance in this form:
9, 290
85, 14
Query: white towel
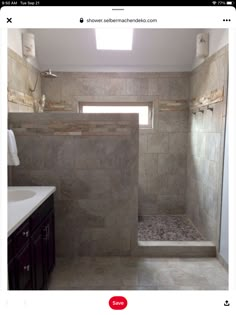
13, 158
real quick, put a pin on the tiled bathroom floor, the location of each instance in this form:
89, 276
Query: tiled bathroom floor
138, 273
167, 228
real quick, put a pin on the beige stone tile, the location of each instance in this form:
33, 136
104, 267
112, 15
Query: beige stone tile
172, 121
216, 124
173, 88
115, 86
25, 109
13, 107
172, 164
158, 143
178, 142
17, 75
102, 152
176, 184
157, 184
133, 273
142, 143
153, 86
170, 204
148, 164
142, 183
212, 149
147, 203
137, 86
59, 152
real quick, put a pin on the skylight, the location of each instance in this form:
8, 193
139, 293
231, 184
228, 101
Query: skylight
114, 39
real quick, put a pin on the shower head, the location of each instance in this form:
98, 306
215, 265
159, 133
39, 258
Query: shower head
48, 74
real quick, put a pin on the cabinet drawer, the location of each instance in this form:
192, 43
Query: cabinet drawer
21, 236
38, 216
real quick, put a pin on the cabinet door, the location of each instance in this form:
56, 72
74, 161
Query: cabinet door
11, 275
37, 259
23, 269
10, 249
21, 236
51, 242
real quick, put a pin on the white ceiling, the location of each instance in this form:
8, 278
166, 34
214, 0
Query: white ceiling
153, 50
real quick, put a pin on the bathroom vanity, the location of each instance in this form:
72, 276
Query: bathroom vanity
31, 240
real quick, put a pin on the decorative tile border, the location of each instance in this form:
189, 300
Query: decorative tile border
22, 77
74, 127
173, 105
20, 98
213, 97
58, 107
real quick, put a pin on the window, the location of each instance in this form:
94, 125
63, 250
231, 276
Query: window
143, 109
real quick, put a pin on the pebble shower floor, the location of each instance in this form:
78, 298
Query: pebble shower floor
167, 228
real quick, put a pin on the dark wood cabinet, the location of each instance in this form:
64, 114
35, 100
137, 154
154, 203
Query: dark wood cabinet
23, 269
11, 275
43, 251
31, 250
38, 258
50, 242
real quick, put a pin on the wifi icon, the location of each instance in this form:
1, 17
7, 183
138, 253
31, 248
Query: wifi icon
214, 2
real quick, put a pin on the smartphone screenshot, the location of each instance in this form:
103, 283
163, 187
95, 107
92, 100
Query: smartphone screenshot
117, 153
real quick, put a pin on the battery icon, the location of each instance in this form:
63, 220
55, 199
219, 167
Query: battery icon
229, 2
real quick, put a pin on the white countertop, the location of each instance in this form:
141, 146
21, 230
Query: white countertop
19, 211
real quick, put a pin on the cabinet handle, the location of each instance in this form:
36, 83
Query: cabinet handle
25, 233
47, 231
46, 234
27, 268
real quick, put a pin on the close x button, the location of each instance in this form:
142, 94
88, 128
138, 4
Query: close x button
9, 20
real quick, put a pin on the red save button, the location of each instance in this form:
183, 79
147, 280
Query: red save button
118, 302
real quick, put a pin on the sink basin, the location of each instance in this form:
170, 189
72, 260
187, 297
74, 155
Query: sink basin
18, 195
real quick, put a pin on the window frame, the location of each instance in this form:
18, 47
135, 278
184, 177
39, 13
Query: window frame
149, 104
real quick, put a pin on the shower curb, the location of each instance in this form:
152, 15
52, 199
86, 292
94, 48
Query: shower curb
188, 249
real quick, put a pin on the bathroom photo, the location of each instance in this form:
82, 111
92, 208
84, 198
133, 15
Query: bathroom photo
117, 159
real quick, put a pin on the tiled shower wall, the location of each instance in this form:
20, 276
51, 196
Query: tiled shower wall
22, 77
93, 162
162, 156
165, 152
162, 166
205, 148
